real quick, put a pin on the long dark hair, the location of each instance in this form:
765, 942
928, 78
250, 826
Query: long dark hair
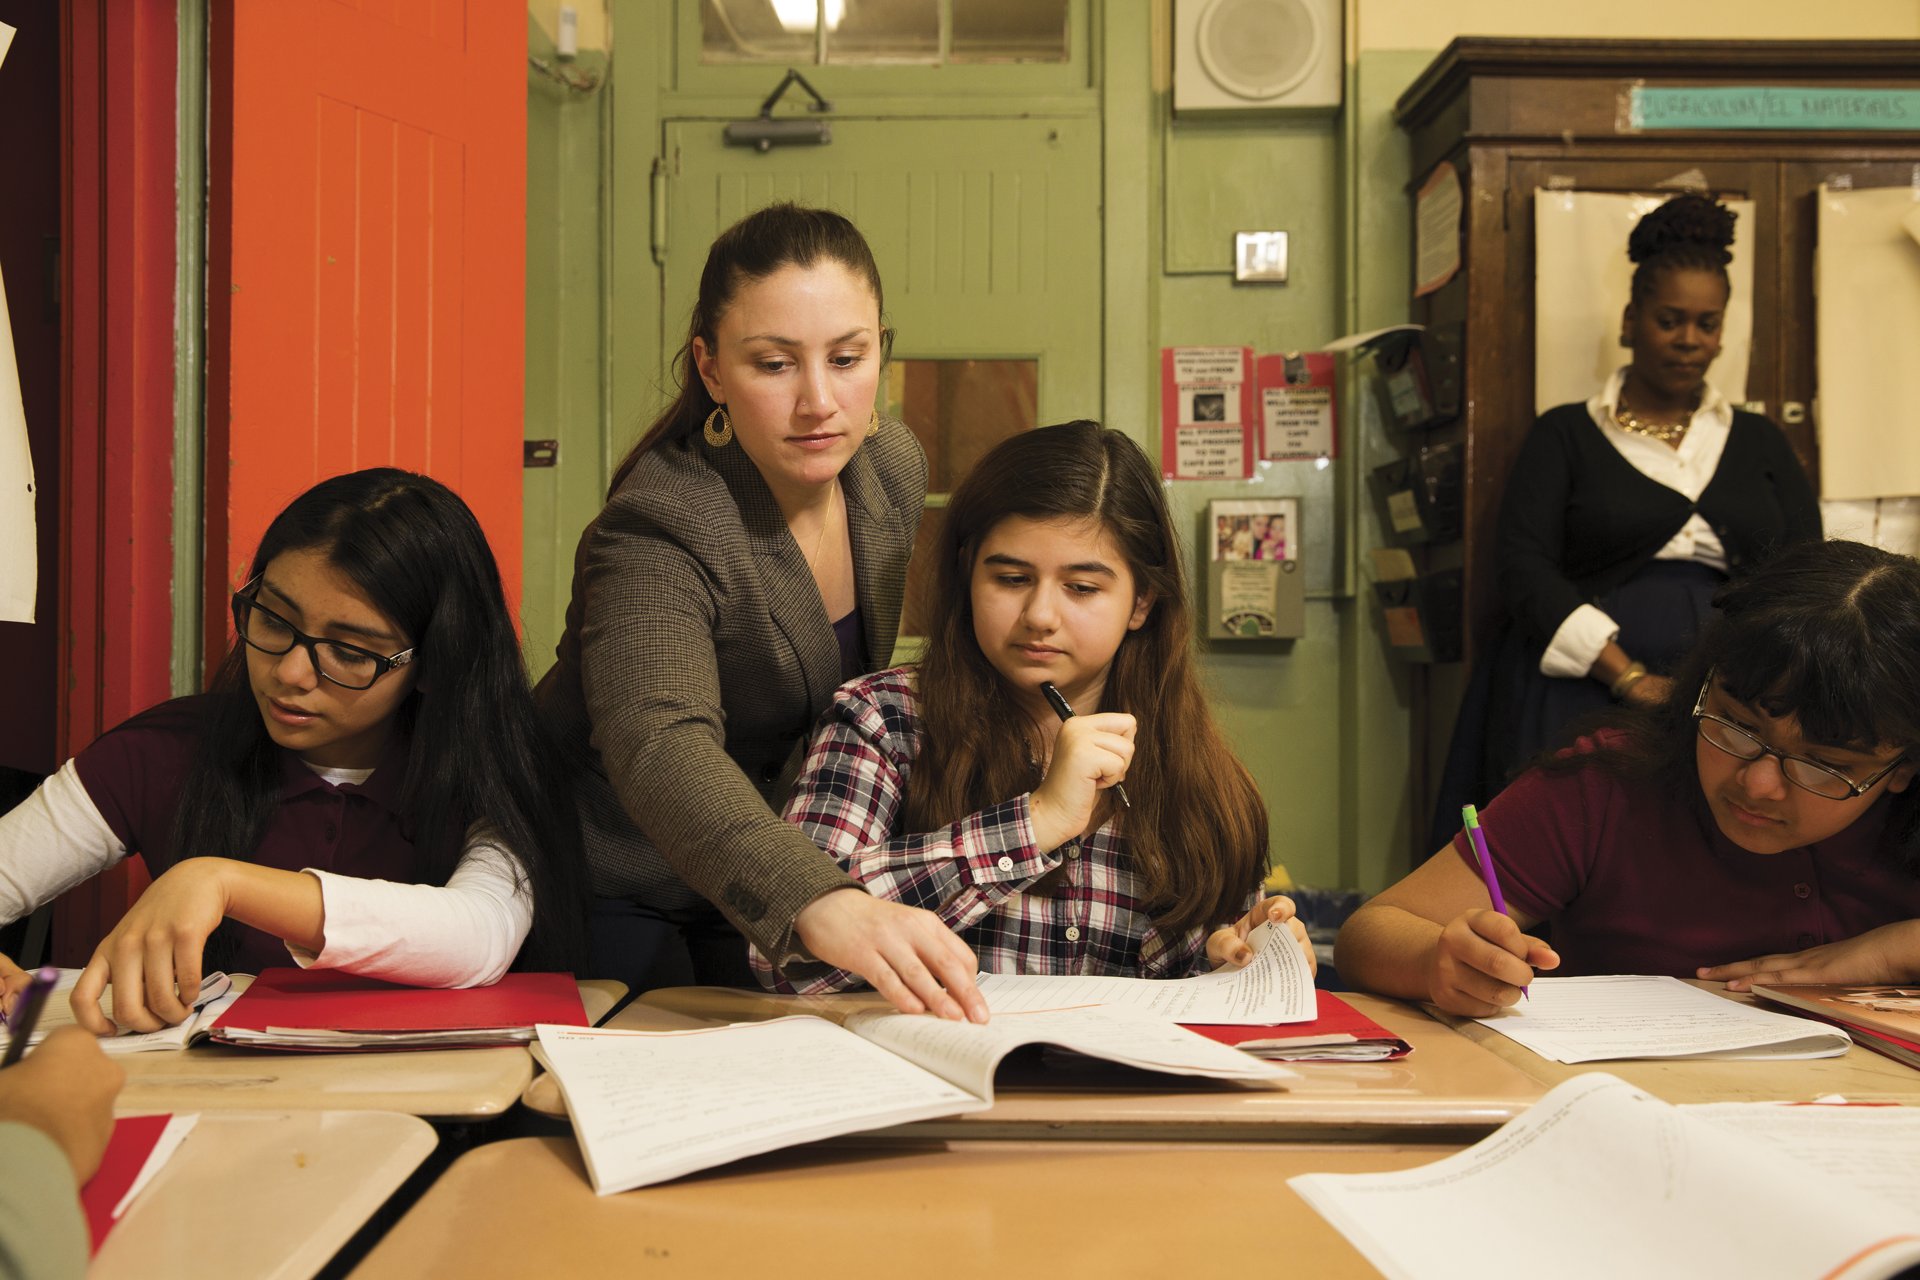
1827, 633
1688, 233
476, 752
1197, 831
763, 242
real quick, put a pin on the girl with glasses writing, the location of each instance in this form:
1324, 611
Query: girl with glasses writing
364, 787
1758, 823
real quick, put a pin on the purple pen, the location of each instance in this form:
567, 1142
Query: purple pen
1471, 816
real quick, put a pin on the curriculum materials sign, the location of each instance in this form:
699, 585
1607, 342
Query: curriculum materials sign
1773, 107
1209, 424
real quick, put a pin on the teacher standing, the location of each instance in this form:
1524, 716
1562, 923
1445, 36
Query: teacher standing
751, 557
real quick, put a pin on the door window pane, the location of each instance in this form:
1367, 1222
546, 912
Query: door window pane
756, 31
957, 409
878, 31
1009, 31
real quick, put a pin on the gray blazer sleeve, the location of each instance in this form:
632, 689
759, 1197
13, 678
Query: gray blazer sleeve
42, 1234
702, 641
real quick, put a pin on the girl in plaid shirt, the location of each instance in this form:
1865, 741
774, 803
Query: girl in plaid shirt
953, 785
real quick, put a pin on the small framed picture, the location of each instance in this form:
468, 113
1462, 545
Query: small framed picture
1255, 529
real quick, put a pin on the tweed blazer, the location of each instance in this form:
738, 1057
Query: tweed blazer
696, 658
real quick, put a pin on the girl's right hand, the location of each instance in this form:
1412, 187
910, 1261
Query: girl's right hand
1090, 754
1482, 961
13, 980
152, 957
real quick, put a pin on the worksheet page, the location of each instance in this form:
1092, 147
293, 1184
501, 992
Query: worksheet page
1276, 986
1601, 1018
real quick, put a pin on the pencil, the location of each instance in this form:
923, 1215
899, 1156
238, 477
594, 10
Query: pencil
1471, 816
1064, 709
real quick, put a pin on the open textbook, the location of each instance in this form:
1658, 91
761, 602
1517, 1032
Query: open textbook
1602, 1018
216, 993
652, 1105
1600, 1180
1275, 987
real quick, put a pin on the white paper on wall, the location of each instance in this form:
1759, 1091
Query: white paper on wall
19, 559
1866, 281
1581, 279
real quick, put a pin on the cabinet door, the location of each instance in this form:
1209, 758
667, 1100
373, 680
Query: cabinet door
1799, 180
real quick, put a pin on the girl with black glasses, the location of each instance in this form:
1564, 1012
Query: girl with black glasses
364, 787
1757, 823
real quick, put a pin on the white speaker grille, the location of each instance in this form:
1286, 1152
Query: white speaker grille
1257, 49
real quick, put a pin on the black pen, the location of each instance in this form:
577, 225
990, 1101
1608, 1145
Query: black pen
1064, 709
26, 1015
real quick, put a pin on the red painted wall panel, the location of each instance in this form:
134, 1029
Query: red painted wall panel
368, 202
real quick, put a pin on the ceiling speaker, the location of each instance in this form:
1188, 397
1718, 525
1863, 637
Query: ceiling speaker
1256, 55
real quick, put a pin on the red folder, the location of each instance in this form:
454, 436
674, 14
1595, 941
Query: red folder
1337, 1024
127, 1151
326, 1009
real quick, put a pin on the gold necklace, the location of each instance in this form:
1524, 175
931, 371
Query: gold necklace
826, 523
1667, 433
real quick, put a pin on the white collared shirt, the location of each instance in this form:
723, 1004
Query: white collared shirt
1687, 470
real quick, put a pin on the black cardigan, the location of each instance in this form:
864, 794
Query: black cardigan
1578, 519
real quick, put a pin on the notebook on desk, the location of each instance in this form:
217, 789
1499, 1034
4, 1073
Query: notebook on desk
139, 1148
1340, 1033
322, 1009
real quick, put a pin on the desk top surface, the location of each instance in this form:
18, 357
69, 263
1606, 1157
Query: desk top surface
263, 1194
1448, 1089
1860, 1075
443, 1083
923, 1209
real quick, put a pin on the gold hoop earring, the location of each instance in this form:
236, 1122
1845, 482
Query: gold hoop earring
873, 423
721, 436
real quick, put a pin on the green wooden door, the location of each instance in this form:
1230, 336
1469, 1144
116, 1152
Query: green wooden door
987, 232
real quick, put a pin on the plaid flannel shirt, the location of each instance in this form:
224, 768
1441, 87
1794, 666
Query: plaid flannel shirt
850, 798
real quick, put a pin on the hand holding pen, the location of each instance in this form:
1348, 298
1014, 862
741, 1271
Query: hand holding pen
1090, 754
1483, 960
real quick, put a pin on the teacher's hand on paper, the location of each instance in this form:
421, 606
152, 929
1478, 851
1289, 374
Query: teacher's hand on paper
65, 1088
1090, 754
1890, 953
1481, 961
1227, 945
906, 953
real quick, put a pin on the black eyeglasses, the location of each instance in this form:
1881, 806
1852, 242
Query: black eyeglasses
346, 665
1808, 775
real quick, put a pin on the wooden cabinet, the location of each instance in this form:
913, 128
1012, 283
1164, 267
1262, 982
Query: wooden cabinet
1514, 116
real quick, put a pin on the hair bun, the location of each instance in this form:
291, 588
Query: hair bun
1688, 222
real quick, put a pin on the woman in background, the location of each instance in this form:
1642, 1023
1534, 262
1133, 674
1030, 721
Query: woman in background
1622, 516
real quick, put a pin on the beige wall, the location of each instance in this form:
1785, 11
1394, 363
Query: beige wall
1423, 24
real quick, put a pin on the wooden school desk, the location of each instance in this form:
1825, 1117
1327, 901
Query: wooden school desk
263, 1194
1861, 1075
1448, 1090
448, 1084
1056, 1209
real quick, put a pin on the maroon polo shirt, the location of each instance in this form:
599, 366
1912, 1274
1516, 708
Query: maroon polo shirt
1634, 880
134, 774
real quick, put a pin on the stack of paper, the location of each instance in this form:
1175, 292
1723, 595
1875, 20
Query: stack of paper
326, 1010
1341, 1033
1600, 1180
1885, 1019
216, 993
1275, 987
648, 1106
1602, 1018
